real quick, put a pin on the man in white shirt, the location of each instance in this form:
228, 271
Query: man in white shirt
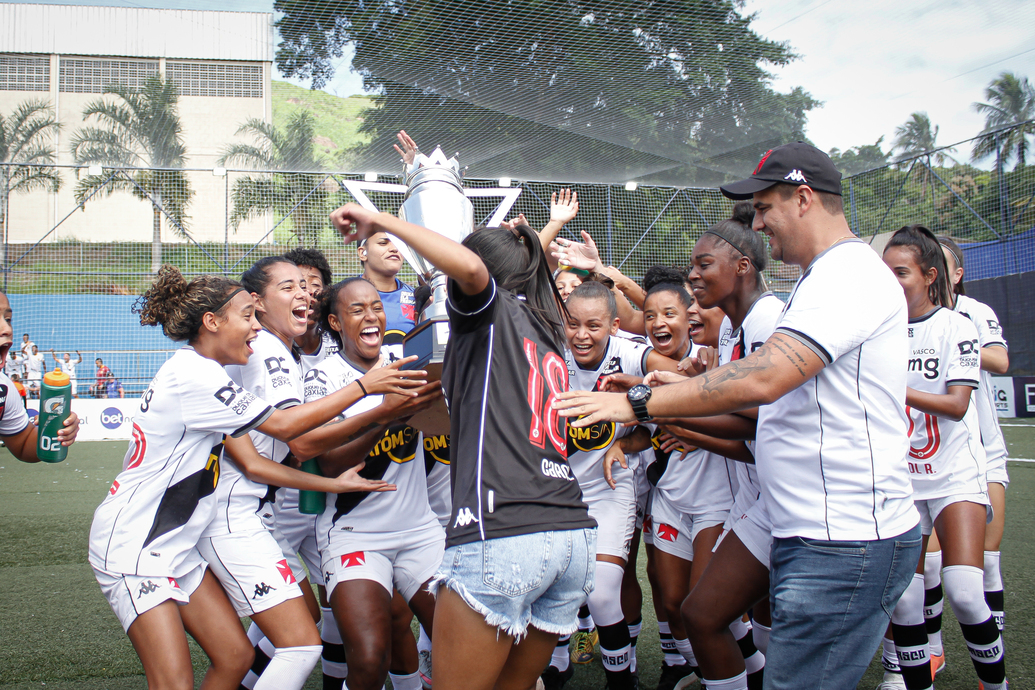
831, 441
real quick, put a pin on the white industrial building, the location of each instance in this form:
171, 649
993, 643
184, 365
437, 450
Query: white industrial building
220, 61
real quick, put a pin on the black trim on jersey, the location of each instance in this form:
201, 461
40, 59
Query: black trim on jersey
262, 417
921, 319
996, 343
27, 425
643, 359
377, 463
181, 499
808, 342
485, 298
289, 403
962, 382
822, 474
869, 440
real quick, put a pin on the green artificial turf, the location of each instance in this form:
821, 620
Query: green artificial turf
59, 633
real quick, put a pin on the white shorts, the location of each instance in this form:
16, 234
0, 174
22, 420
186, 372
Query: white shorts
405, 568
252, 569
615, 513
296, 534
746, 525
931, 508
131, 595
995, 471
675, 531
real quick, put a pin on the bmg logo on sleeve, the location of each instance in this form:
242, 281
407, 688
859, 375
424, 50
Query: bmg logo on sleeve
112, 418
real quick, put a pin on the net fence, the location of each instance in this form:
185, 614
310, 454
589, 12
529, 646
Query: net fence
71, 293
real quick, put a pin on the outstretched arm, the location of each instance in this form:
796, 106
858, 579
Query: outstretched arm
772, 371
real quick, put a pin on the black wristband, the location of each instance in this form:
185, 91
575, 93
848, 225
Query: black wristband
362, 387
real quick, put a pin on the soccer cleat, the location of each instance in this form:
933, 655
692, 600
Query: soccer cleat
552, 679
675, 677
892, 681
1006, 684
424, 667
937, 664
582, 645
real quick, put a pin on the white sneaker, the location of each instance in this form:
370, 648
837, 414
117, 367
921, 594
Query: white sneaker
424, 667
892, 681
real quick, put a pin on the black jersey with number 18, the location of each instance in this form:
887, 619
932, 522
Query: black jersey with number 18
508, 453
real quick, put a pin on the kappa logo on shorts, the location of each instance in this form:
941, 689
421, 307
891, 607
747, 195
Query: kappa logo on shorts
262, 589
355, 558
147, 588
285, 571
796, 176
464, 517
667, 532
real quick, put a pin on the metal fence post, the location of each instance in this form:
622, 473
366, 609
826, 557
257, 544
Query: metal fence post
851, 201
610, 257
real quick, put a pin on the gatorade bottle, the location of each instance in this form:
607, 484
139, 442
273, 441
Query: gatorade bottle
55, 406
311, 502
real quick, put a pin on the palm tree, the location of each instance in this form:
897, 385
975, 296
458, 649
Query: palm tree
1011, 101
26, 154
917, 137
139, 129
298, 193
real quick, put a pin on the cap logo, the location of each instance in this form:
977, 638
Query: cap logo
762, 162
796, 176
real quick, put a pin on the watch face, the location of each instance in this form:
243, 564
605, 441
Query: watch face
639, 392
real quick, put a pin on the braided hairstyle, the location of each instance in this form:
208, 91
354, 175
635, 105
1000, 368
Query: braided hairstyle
179, 306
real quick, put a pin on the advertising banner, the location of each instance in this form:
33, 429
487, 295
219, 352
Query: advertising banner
104, 419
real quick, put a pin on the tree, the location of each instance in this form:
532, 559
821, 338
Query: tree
860, 158
297, 193
581, 90
917, 137
1011, 103
26, 154
139, 130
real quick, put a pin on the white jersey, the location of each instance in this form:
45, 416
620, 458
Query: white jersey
328, 346
14, 366
165, 496
273, 374
831, 454
436, 467
990, 334
587, 446
758, 325
945, 456
397, 458
67, 367
34, 366
13, 417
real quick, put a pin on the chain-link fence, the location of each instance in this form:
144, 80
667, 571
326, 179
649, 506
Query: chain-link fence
74, 259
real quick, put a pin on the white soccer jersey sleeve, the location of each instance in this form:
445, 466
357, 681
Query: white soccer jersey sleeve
13, 417
990, 334
831, 454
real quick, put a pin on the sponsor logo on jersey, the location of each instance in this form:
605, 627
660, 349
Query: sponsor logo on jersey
398, 443
666, 532
968, 347
464, 517
285, 571
114, 487
795, 176
993, 326
355, 558
929, 366
262, 589
556, 470
235, 397
112, 418
147, 587
593, 437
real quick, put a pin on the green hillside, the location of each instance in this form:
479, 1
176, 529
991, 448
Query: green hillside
337, 119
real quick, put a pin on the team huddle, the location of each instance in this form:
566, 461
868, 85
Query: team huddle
807, 476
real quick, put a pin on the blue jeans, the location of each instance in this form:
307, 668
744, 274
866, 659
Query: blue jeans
832, 602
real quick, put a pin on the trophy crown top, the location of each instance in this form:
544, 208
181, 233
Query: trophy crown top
437, 159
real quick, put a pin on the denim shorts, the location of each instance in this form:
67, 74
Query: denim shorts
539, 579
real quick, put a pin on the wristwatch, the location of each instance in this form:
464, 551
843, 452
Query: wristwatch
638, 396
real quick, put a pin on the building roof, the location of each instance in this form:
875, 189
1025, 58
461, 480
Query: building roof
136, 32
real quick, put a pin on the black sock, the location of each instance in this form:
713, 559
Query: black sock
334, 657
914, 657
986, 650
616, 654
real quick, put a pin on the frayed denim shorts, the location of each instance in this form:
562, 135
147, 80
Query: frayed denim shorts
538, 579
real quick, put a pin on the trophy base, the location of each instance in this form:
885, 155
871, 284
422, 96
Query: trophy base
428, 341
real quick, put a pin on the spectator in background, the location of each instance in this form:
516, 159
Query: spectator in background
27, 345
68, 366
15, 364
16, 380
113, 387
103, 374
35, 368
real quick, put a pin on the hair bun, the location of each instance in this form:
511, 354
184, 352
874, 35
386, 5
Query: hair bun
743, 213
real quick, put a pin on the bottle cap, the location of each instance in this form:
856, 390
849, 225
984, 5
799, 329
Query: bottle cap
56, 379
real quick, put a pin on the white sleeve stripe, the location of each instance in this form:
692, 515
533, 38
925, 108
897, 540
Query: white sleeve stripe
263, 416
962, 382
482, 308
995, 343
808, 342
290, 402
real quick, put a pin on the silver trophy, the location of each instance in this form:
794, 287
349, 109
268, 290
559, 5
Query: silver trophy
435, 200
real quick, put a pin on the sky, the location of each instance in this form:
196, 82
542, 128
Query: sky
871, 63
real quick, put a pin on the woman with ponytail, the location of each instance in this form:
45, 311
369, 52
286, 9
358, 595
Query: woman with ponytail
520, 544
946, 465
145, 534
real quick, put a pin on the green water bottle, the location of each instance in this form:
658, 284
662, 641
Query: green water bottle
55, 406
311, 502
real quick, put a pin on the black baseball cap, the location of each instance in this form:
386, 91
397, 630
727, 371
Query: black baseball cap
798, 163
